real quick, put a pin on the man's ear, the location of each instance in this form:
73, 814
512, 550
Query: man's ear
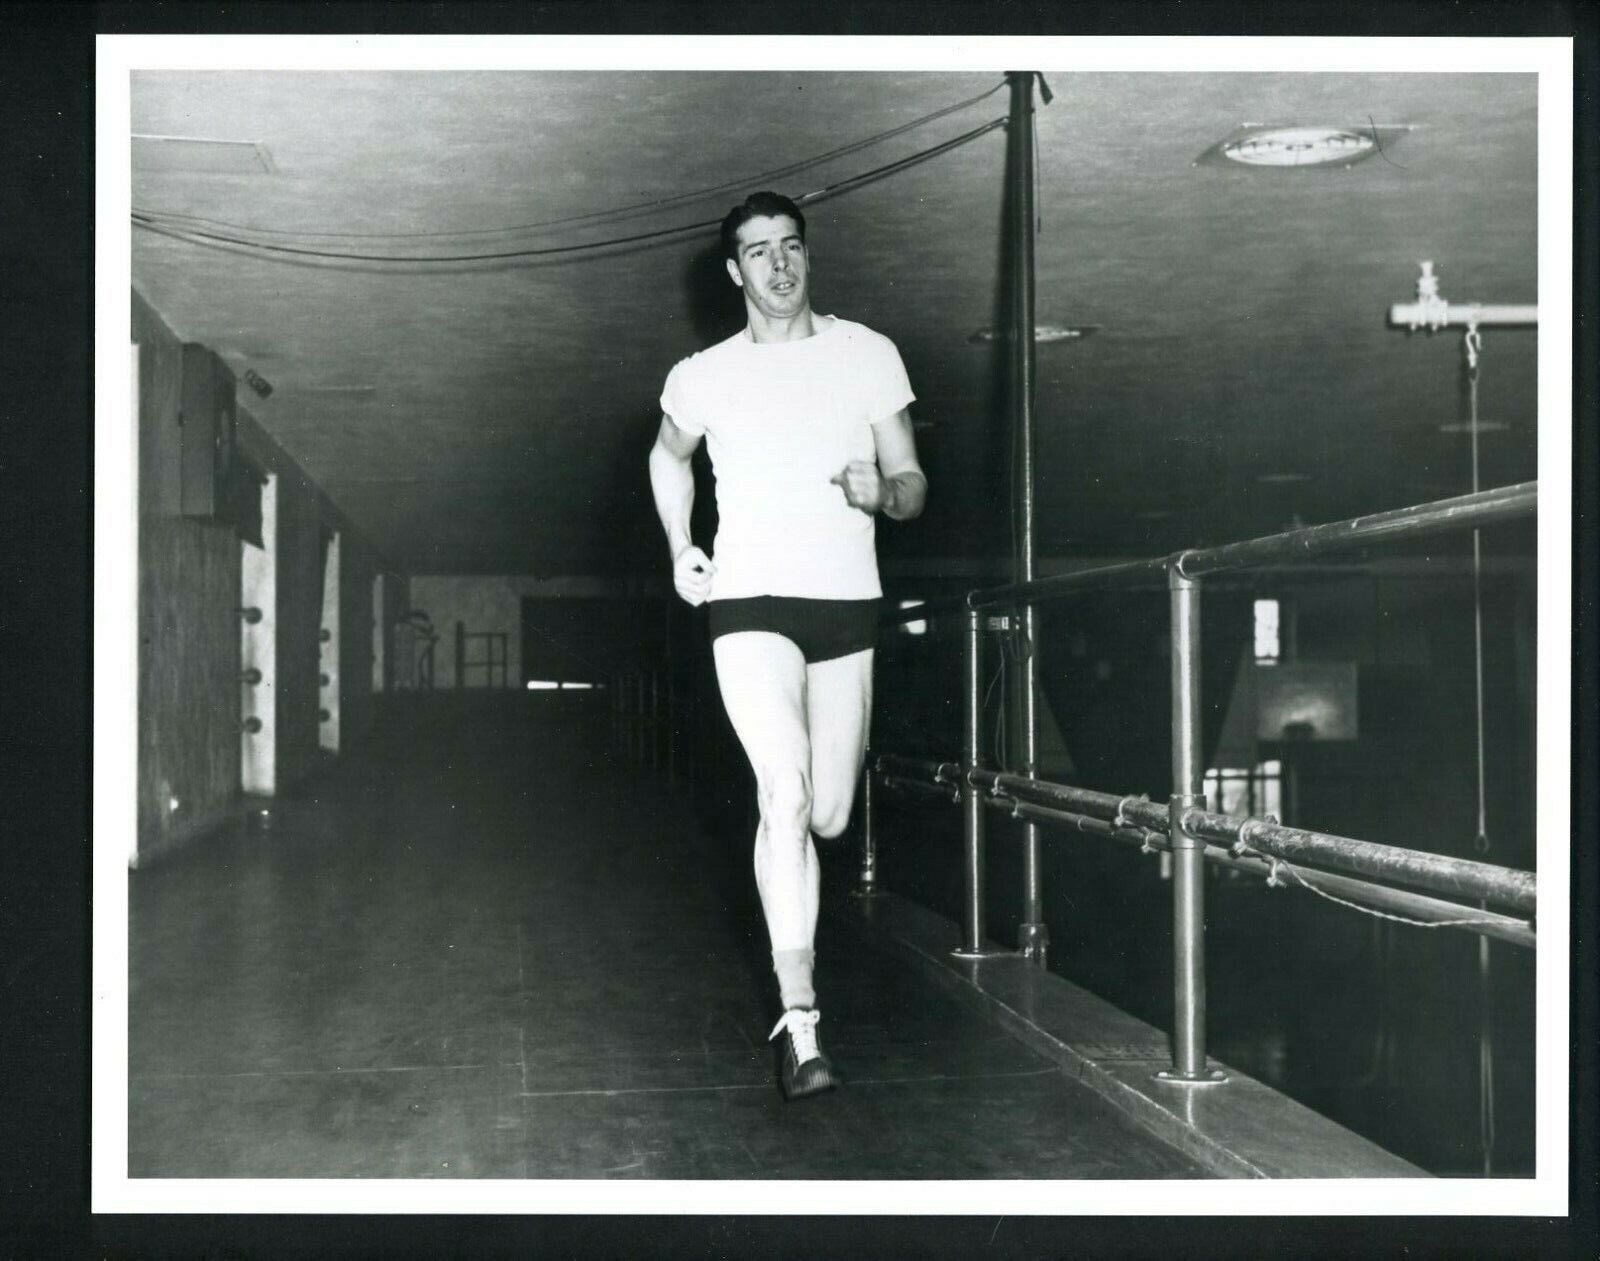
733, 272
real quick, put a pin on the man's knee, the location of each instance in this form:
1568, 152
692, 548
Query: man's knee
785, 799
829, 819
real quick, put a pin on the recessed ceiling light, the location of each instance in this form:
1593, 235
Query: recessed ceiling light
1042, 333
1253, 145
1282, 479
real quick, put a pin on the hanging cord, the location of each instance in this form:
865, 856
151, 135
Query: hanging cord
1472, 346
1275, 866
173, 219
1000, 743
195, 236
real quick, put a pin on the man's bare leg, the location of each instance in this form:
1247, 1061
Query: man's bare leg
803, 729
838, 710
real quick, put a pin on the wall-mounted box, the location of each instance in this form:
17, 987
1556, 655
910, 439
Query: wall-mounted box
207, 420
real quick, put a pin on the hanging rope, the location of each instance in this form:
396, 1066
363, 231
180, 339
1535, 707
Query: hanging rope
1280, 867
1472, 347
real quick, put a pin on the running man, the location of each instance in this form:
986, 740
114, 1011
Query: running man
805, 420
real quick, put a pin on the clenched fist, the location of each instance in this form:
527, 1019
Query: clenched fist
863, 486
691, 574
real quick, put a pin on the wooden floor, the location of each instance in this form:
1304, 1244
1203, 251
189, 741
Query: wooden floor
488, 949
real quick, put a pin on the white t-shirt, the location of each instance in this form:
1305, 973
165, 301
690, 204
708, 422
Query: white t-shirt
780, 419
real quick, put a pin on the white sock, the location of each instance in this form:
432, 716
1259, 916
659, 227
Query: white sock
794, 969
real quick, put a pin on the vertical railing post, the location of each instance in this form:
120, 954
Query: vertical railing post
972, 820
867, 874
1188, 851
1033, 939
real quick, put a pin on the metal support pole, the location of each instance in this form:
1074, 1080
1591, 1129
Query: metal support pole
867, 876
1188, 852
1033, 938
973, 821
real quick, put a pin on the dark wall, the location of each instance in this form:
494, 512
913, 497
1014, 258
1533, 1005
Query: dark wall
300, 524
358, 566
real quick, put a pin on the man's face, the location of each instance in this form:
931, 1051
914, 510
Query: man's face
772, 268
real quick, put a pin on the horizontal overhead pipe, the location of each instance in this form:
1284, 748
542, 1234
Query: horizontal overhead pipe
1436, 315
1487, 507
1417, 906
1456, 877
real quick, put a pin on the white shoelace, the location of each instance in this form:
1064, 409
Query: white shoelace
802, 1028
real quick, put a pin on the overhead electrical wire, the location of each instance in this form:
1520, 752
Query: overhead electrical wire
175, 219
197, 236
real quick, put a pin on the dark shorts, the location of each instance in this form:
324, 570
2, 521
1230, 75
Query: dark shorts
820, 629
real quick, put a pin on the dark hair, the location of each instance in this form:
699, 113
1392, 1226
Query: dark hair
757, 204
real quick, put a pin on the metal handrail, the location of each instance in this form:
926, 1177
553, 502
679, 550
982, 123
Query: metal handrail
1488, 507
1420, 907
1188, 828
1438, 873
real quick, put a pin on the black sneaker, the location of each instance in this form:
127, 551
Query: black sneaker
805, 1070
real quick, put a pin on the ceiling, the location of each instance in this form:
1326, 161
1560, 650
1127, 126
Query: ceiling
494, 416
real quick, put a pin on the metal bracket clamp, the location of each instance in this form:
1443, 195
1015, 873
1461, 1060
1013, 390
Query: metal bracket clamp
1175, 564
1178, 806
1120, 819
1242, 846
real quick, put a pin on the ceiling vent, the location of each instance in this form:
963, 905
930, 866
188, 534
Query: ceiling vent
1296, 148
1043, 334
192, 156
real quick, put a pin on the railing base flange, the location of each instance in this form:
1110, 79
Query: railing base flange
983, 952
1212, 1077
1033, 942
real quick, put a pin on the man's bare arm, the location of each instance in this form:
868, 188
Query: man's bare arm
672, 485
672, 482
905, 485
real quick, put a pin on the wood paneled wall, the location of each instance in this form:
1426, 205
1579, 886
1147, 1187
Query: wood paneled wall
189, 686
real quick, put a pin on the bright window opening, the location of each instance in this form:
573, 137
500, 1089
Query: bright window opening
918, 627
1241, 790
1267, 648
